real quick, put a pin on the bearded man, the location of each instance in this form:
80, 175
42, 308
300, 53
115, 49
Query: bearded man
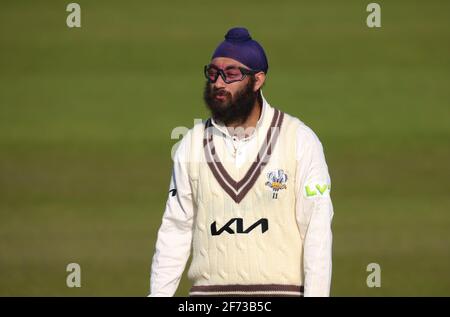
249, 196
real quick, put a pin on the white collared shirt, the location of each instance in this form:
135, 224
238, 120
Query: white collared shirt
313, 215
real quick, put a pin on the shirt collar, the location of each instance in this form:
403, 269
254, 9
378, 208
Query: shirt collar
222, 128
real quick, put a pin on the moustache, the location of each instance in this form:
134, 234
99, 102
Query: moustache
220, 93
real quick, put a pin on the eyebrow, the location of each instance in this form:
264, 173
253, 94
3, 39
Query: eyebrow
228, 67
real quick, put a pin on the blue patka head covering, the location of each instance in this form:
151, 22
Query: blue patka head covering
240, 46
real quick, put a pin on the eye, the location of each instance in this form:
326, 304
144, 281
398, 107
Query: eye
233, 73
211, 72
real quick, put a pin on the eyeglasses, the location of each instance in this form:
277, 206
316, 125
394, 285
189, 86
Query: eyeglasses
229, 75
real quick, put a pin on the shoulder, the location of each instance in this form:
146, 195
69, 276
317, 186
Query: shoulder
304, 135
309, 154
190, 143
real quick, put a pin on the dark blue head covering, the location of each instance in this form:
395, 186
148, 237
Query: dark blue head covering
239, 45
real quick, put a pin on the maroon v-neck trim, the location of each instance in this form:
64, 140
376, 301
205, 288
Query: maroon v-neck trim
238, 189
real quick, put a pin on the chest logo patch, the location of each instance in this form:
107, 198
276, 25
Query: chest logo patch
276, 180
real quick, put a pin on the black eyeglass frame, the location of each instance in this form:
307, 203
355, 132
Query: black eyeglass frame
221, 73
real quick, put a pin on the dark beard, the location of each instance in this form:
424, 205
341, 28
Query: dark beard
231, 110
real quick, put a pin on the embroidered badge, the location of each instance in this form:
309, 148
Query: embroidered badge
276, 180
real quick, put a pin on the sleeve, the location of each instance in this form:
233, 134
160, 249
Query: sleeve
173, 244
314, 213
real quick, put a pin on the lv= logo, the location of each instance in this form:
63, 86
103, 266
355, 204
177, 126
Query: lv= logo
321, 189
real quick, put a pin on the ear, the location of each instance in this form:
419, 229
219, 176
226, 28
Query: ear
259, 80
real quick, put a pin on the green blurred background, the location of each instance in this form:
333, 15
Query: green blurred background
86, 117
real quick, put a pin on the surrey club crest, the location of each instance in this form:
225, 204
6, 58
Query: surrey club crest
277, 181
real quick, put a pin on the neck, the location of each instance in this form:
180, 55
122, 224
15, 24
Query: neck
246, 128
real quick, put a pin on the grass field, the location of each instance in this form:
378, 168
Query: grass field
86, 116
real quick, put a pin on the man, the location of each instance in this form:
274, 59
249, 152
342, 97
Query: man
249, 194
